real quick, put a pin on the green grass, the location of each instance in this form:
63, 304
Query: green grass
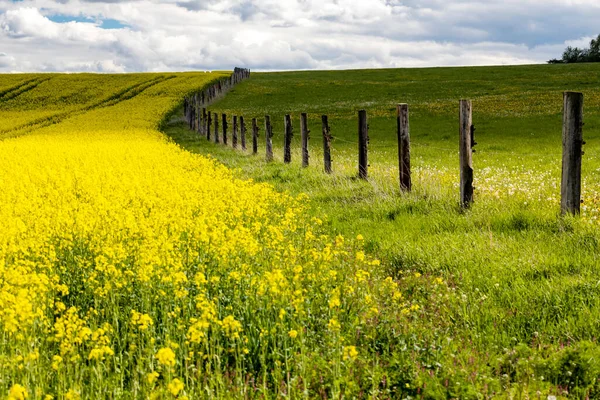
527, 280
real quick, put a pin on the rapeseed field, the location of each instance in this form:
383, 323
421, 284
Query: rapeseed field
130, 268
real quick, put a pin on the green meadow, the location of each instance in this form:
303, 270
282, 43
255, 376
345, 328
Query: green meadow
521, 316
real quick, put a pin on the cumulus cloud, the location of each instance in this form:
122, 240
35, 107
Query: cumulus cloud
287, 34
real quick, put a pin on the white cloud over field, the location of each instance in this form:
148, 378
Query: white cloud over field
146, 35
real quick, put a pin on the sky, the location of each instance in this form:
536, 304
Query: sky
267, 35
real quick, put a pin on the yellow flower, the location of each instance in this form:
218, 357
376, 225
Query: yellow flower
175, 386
350, 352
72, 395
232, 327
56, 361
166, 356
359, 237
360, 256
293, 334
152, 377
17, 392
334, 325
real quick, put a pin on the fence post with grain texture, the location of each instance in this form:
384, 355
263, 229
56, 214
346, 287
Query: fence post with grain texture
572, 142
326, 144
243, 132
254, 136
466, 153
208, 125
268, 138
225, 126
363, 141
304, 132
287, 139
203, 121
234, 137
216, 128
404, 147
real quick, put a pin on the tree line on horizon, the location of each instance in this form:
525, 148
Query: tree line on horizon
577, 55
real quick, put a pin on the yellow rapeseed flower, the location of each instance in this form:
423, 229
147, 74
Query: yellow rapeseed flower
175, 386
166, 356
350, 352
17, 392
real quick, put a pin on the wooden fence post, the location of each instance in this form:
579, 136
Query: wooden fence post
304, 132
326, 144
203, 120
466, 153
268, 138
208, 125
287, 139
216, 128
225, 126
243, 132
234, 137
363, 140
572, 142
404, 147
254, 136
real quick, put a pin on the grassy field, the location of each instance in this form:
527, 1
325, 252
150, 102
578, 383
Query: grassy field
521, 315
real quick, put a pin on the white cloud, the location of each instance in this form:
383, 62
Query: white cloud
288, 34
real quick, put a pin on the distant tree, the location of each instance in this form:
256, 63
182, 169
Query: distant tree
577, 55
594, 52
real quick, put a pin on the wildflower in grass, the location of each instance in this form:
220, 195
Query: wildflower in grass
72, 394
152, 377
360, 256
360, 237
175, 386
293, 333
56, 362
232, 327
334, 301
362, 275
99, 353
166, 356
141, 321
333, 325
350, 352
17, 392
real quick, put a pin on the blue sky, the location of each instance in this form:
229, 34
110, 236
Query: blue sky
172, 35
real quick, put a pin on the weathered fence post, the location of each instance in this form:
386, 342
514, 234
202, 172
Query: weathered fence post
254, 136
243, 132
200, 121
225, 126
326, 144
304, 132
268, 138
216, 128
572, 142
287, 139
203, 132
404, 147
208, 125
234, 137
363, 140
465, 153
